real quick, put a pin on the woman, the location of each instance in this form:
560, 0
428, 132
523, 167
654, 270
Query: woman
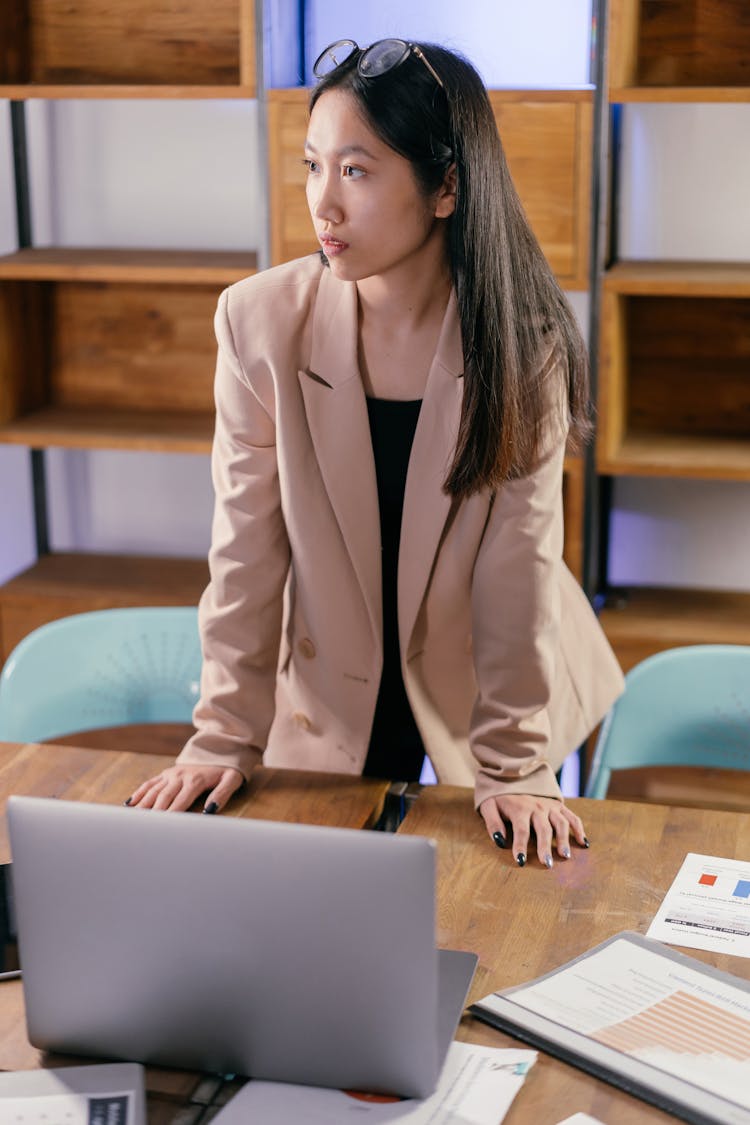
392, 417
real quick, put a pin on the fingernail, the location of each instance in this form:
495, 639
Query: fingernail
210, 808
566, 853
586, 844
548, 860
127, 802
499, 839
521, 859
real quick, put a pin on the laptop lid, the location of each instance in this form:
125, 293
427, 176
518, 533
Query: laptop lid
280, 951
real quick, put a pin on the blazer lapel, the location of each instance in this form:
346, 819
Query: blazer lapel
426, 505
336, 411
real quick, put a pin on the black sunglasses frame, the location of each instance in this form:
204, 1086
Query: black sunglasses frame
362, 68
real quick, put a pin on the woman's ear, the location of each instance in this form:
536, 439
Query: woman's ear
445, 203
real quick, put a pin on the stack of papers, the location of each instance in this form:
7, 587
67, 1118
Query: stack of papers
476, 1087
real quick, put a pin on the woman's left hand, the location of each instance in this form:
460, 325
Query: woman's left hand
545, 816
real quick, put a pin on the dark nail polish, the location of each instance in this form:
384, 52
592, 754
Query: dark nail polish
127, 802
521, 859
211, 808
586, 844
499, 839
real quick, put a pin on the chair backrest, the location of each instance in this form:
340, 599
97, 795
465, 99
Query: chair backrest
682, 707
109, 668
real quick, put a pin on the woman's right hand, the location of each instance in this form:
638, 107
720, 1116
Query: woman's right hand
178, 786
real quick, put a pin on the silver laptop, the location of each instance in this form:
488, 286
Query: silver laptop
279, 951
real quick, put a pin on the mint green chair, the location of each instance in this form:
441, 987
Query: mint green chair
109, 668
682, 707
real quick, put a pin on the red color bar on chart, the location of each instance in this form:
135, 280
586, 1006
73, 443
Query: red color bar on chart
707, 880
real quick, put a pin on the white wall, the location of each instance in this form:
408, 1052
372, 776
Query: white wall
531, 43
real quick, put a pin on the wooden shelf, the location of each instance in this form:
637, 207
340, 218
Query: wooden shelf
62, 584
674, 384
679, 51
687, 94
187, 267
142, 49
84, 428
547, 139
679, 279
664, 455
642, 621
111, 349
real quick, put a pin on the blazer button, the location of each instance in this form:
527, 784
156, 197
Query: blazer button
302, 721
306, 648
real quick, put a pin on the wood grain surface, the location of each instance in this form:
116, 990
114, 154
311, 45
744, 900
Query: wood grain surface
525, 922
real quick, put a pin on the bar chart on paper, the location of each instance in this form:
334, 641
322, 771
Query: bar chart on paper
707, 906
688, 1037
654, 1008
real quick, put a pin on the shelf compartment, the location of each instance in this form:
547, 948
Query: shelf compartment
674, 388
547, 139
96, 48
642, 621
679, 50
110, 349
65, 583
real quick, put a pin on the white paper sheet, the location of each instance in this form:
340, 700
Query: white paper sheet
581, 1119
707, 906
476, 1087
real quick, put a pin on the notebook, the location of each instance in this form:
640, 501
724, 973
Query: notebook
278, 951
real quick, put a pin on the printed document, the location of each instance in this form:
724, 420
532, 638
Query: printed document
476, 1087
707, 906
662, 1025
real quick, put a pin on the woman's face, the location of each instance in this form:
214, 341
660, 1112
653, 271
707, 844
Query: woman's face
369, 213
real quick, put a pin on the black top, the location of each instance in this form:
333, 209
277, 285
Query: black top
396, 749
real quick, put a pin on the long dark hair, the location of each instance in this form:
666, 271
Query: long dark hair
517, 328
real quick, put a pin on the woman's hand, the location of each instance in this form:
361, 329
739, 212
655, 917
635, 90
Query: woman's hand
546, 816
178, 786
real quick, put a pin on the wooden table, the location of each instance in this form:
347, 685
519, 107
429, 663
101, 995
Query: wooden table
175, 1097
523, 922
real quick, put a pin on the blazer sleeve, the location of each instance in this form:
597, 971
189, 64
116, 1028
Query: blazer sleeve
515, 627
240, 613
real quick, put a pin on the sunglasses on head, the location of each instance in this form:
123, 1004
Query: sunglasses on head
373, 61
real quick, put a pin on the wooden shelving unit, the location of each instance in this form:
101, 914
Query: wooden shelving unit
675, 358
679, 51
111, 348
122, 348
674, 361
138, 49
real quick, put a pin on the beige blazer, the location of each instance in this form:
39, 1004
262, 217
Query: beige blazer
504, 663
